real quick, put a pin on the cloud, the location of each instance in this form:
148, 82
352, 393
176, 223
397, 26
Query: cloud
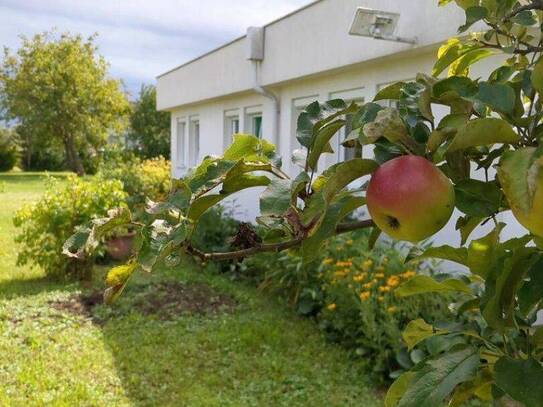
142, 38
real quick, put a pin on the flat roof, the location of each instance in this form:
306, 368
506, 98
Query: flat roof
312, 3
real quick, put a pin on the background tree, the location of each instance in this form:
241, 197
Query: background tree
149, 129
8, 149
58, 89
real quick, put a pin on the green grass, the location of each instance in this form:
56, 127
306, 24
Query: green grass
260, 354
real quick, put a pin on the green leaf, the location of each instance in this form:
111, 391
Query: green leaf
525, 18
531, 293
456, 254
425, 284
249, 148
477, 198
321, 141
498, 303
481, 132
335, 212
418, 330
521, 379
482, 252
338, 176
519, 173
473, 14
499, 97
537, 76
437, 378
466, 225
317, 115
390, 92
398, 388
459, 85
276, 199
462, 64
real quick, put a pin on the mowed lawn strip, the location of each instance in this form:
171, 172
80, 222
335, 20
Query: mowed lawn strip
248, 351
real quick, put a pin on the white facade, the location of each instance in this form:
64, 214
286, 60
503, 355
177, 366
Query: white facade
308, 56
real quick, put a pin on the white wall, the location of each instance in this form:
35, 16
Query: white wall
313, 40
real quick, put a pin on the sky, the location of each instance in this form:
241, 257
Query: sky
142, 38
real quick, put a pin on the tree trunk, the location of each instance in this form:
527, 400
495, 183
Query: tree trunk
74, 162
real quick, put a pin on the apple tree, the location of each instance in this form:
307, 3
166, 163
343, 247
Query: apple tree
484, 157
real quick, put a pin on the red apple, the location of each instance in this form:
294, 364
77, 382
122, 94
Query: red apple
409, 198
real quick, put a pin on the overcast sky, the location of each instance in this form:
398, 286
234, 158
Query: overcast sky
142, 38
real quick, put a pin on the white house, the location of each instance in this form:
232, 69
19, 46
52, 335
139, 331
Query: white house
307, 55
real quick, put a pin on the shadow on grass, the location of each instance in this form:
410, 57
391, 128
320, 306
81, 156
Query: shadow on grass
10, 289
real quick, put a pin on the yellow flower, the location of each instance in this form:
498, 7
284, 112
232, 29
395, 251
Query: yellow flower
384, 289
359, 277
364, 295
409, 274
393, 281
331, 307
328, 261
349, 242
379, 275
366, 265
391, 309
380, 298
368, 285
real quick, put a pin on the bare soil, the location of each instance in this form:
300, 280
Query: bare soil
165, 300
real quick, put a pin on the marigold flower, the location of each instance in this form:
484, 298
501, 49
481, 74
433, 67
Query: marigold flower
366, 265
393, 281
409, 274
364, 295
368, 285
380, 298
328, 261
358, 278
331, 307
384, 289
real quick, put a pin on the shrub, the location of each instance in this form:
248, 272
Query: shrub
350, 292
140, 179
8, 150
46, 224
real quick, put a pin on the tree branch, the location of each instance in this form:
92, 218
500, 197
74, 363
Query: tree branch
533, 5
273, 247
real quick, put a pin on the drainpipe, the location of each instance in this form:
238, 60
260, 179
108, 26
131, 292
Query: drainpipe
255, 54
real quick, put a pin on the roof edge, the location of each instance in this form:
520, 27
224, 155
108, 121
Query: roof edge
237, 39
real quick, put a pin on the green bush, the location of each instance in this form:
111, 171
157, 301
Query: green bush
8, 150
46, 224
141, 179
350, 293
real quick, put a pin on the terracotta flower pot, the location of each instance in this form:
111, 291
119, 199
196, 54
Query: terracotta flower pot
120, 247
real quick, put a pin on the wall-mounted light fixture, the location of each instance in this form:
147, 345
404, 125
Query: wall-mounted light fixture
377, 24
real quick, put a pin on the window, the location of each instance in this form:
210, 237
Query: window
253, 120
180, 144
231, 126
194, 142
257, 126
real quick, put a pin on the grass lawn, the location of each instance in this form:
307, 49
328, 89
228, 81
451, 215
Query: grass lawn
249, 352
